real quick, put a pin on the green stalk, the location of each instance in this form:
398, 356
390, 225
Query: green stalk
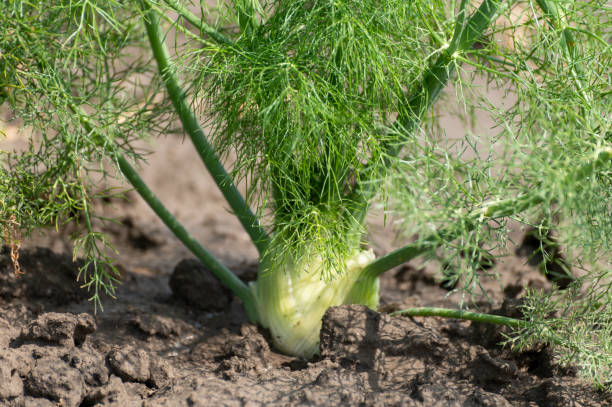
459, 314
247, 14
437, 77
233, 197
198, 23
228, 278
215, 266
550, 336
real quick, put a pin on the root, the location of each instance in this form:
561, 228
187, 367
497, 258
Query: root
12, 239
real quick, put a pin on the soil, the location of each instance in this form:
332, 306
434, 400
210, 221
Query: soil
151, 348
175, 337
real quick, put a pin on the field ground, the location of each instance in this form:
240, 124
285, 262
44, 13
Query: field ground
151, 348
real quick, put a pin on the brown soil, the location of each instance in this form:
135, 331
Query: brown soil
151, 348
175, 337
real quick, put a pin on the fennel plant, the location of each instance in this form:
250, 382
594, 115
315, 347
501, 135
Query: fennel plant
327, 107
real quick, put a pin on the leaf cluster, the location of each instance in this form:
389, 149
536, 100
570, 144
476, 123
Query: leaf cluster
69, 71
578, 323
547, 131
303, 101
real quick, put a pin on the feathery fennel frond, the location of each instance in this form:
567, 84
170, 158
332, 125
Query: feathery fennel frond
577, 322
63, 64
303, 104
553, 120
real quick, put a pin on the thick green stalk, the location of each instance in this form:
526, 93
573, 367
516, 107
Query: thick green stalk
235, 200
228, 278
437, 77
198, 23
459, 314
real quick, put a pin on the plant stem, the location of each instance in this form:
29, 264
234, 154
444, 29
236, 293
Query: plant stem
602, 157
459, 314
233, 197
548, 334
215, 266
228, 278
436, 78
199, 23
247, 14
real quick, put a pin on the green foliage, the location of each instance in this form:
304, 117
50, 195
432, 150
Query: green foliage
543, 141
578, 323
59, 60
326, 106
302, 100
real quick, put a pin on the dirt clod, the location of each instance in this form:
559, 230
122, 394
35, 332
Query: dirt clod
6, 333
251, 345
91, 365
130, 364
151, 324
137, 365
60, 329
11, 385
112, 394
248, 354
56, 381
355, 333
160, 374
480, 398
